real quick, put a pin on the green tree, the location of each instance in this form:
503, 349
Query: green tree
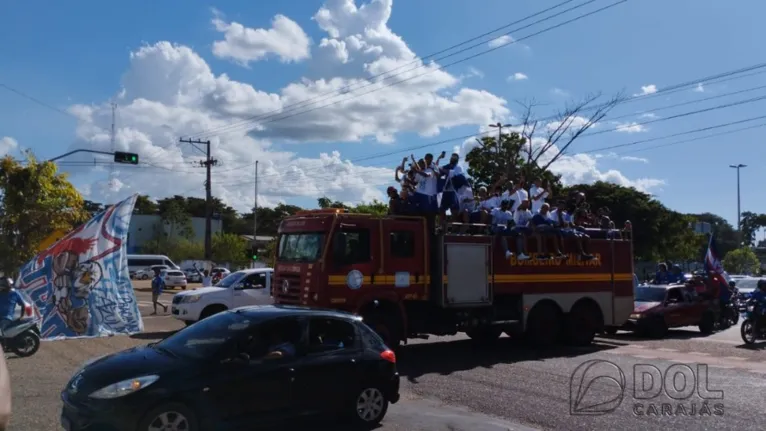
658, 232
751, 222
375, 207
35, 201
725, 234
145, 206
230, 248
741, 261
268, 219
176, 220
325, 202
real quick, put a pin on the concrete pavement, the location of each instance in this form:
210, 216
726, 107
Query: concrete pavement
448, 383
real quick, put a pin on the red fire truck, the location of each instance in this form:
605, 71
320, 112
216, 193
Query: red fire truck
408, 282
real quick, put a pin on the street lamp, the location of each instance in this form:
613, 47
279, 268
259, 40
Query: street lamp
739, 209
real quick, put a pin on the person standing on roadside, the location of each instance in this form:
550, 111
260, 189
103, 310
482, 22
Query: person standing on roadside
207, 279
158, 284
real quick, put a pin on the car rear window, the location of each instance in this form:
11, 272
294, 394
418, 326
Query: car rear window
175, 273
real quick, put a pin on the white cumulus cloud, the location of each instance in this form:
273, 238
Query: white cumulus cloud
647, 89
518, 76
285, 39
7, 145
169, 90
632, 127
502, 40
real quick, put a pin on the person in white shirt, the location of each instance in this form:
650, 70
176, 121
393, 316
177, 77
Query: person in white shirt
207, 280
521, 230
454, 180
501, 217
515, 193
423, 188
537, 195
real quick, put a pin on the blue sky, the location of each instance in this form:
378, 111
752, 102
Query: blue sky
79, 53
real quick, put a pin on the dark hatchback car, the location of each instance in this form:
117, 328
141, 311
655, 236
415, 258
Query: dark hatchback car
240, 369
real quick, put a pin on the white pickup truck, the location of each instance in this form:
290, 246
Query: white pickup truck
238, 289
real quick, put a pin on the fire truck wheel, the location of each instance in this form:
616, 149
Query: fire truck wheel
386, 327
543, 325
485, 334
582, 324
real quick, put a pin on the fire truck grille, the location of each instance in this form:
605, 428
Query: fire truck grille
293, 293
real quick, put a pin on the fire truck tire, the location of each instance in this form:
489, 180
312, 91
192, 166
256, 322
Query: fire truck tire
543, 325
582, 324
485, 334
387, 327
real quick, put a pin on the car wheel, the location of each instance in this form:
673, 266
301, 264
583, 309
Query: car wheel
171, 416
370, 406
144, 277
211, 310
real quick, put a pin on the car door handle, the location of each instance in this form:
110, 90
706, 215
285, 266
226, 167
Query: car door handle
291, 371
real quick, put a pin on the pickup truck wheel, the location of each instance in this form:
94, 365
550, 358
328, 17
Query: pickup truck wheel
543, 325
485, 335
707, 324
211, 310
657, 328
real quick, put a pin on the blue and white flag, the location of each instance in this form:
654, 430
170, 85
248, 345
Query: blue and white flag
80, 286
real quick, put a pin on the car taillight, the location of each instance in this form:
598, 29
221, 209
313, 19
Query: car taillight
389, 356
27, 310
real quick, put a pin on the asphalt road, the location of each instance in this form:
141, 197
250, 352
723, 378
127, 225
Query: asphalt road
449, 384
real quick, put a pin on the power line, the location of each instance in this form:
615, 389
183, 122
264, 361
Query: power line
274, 118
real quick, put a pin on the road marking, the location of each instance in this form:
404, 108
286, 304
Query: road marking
735, 358
636, 346
665, 349
698, 353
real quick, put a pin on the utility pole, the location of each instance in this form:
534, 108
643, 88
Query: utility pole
255, 212
739, 202
113, 139
208, 163
499, 126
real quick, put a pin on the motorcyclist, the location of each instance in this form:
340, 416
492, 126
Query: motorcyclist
9, 299
759, 298
724, 298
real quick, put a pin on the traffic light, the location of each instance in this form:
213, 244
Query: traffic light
129, 158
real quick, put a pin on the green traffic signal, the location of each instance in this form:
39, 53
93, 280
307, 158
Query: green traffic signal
123, 157
255, 257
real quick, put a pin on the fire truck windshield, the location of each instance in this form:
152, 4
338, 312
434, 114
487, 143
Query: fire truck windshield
300, 247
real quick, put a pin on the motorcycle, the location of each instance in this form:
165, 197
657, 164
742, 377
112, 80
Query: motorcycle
753, 326
22, 337
730, 315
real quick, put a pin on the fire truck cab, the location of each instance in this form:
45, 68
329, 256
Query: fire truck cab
408, 282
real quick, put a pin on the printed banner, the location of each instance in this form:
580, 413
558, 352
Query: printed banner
80, 286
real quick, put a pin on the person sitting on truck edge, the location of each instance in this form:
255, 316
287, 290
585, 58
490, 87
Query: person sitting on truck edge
562, 221
501, 217
521, 229
490, 203
468, 205
544, 228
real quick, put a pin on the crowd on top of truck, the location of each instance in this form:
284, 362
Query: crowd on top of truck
506, 209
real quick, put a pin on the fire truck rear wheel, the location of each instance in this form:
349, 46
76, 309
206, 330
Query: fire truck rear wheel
582, 324
543, 325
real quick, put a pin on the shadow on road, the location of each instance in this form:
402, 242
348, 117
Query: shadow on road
757, 346
451, 356
158, 335
672, 334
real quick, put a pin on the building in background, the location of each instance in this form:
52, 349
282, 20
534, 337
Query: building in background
144, 228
